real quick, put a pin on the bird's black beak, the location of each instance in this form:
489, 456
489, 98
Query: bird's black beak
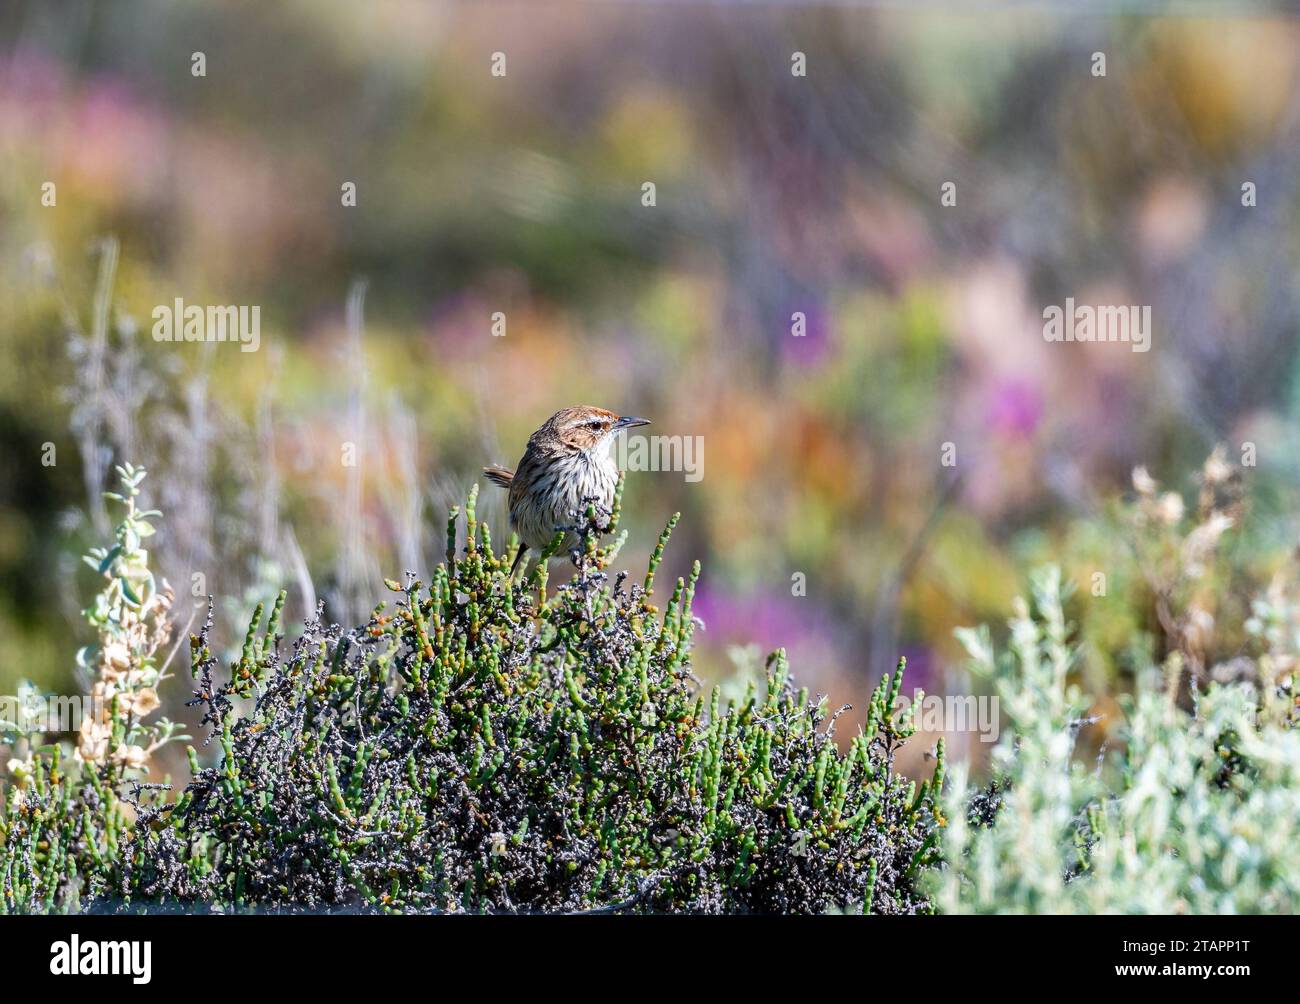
628, 422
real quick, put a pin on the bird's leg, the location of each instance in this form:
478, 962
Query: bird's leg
604, 513
584, 528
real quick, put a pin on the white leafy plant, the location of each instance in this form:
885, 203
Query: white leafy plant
130, 615
1197, 811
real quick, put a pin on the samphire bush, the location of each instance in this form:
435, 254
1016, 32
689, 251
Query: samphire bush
481, 746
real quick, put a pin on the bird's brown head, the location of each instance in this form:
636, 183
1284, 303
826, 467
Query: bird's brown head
582, 428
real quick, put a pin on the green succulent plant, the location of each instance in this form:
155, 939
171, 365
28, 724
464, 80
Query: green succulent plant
489, 745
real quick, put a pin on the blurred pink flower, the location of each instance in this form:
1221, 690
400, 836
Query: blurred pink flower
117, 141
1015, 408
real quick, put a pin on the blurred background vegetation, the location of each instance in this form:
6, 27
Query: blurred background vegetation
522, 194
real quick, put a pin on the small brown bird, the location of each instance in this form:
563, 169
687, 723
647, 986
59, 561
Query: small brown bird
567, 463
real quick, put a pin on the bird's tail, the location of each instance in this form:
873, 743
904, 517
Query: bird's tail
502, 476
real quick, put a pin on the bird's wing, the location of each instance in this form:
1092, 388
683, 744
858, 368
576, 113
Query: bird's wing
524, 478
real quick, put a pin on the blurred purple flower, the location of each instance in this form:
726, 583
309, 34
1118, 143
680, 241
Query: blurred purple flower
29, 77
823, 656
922, 669
460, 319
1015, 408
810, 348
819, 652
770, 621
